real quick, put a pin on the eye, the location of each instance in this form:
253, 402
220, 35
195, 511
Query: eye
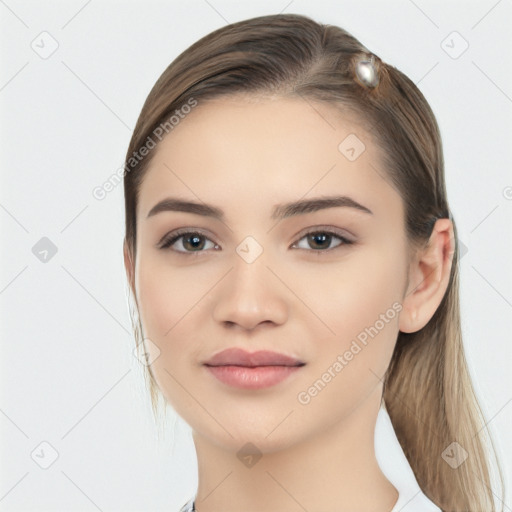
196, 242
186, 241
321, 240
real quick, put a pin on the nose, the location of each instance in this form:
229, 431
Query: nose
250, 295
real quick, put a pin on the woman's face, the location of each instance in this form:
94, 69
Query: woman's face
321, 285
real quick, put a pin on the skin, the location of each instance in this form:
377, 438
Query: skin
244, 155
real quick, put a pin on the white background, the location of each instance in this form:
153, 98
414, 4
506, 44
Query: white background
67, 370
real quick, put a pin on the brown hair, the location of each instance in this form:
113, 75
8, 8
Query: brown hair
427, 388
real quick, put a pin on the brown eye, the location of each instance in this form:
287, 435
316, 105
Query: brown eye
321, 241
193, 242
188, 241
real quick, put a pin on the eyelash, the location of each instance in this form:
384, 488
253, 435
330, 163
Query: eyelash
169, 240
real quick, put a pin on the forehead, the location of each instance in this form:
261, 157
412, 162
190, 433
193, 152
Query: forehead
244, 151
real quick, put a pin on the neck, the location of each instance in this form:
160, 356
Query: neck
333, 471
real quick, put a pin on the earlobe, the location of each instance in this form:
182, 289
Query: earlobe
429, 276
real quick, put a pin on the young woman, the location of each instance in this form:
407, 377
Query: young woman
293, 261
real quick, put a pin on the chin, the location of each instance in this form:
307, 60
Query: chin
265, 433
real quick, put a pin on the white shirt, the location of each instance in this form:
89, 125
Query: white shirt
394, 465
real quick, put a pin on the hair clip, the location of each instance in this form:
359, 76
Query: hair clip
367, 73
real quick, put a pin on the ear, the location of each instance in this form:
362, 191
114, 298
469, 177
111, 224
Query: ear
129, 266
429, 275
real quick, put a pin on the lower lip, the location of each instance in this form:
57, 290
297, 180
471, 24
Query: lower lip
257, 377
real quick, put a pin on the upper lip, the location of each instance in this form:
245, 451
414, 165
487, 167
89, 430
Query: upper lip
240, 357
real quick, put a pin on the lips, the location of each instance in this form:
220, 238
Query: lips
240, 357
238, 368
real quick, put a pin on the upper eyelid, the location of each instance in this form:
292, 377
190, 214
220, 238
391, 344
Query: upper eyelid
343, 233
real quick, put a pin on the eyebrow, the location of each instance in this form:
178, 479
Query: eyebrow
281, 211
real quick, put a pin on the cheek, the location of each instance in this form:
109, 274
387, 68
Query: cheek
169, 303
158, 306
166, 297
363, 308
175, 306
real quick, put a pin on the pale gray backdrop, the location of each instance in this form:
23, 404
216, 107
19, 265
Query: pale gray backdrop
76, 428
